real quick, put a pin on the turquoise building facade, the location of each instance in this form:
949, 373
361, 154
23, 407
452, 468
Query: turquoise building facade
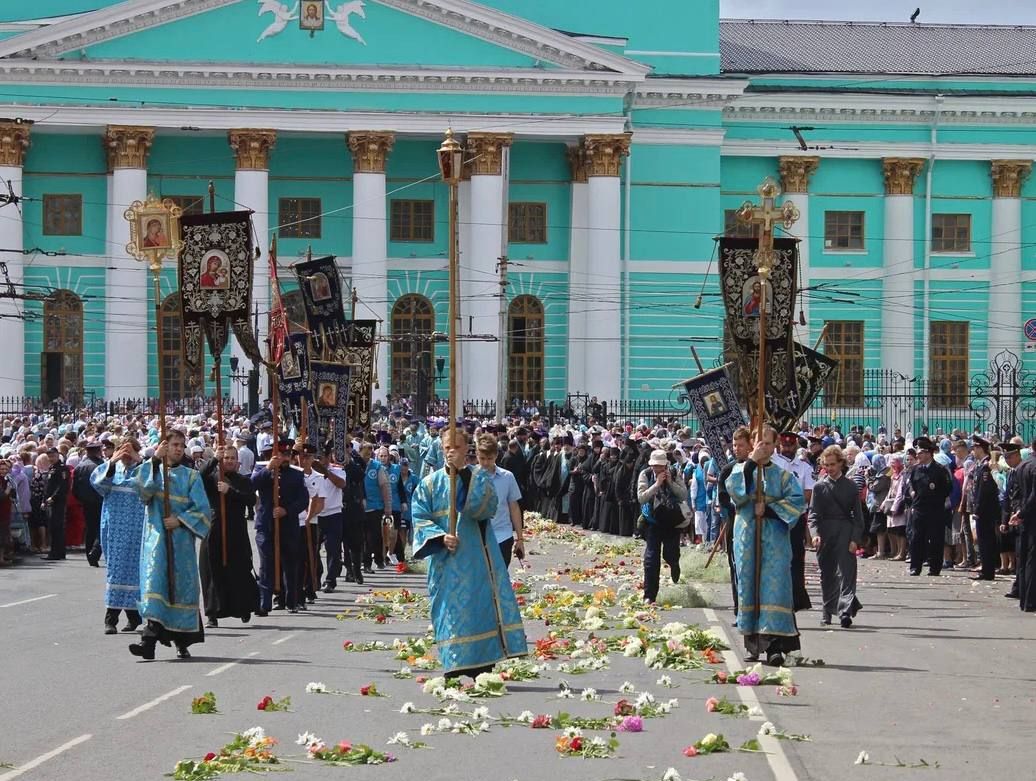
604, 153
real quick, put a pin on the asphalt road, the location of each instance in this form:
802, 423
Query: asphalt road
937, 669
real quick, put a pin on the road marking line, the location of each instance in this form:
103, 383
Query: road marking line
775, 756
224, 667
710, 614
153, 703
284, 639
34, 763
27, 601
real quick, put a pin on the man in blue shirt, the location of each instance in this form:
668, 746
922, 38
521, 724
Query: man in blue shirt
507, 523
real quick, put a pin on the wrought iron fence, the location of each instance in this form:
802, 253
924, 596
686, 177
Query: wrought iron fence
28, 405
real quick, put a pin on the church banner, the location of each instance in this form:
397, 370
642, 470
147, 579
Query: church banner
331, 391
714, 402
295, 386
358, 353
742, 299
811, 370
215, 273
321, 289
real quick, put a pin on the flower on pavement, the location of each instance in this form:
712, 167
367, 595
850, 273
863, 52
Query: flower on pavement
862, 759
526, 717
315, 687
631, 724
408, 707
589, 695
767, 728
627, 688
671, 775
665, 680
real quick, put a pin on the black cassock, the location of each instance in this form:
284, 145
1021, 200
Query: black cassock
231, 591
577, 479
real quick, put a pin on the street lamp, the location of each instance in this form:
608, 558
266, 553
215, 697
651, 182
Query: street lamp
451, 161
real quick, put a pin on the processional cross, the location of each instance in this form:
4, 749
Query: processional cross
766, 216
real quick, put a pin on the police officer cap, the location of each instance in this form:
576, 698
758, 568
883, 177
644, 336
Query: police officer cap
924, 443
980, 442
1011, 447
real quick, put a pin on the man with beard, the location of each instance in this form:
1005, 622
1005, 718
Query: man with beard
229, 590
554, 481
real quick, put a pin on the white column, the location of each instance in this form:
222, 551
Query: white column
464, 255
1005, 300
795, 175
370, 240
578, 276
14, 140
603, 349
128, 312
482, 311
897, 309
252, 191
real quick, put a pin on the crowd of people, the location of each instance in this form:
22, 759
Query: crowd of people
175, 548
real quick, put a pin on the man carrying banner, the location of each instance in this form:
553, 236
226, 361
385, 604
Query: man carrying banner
765, 615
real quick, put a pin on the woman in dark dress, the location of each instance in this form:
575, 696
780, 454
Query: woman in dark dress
624, 477
231, 591
576, 486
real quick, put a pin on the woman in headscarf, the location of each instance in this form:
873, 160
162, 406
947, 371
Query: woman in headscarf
879, 481
860, 466
894, 508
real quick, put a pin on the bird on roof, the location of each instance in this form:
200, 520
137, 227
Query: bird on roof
914, 15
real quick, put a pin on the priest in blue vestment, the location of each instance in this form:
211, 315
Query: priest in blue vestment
171, 617
770, 629
473, 609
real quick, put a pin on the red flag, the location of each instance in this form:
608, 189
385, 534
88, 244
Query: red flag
278, 319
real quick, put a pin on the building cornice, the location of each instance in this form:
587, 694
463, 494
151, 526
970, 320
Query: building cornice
490, 25
207, 75
193, 120
739, 147
677, 137
688, 93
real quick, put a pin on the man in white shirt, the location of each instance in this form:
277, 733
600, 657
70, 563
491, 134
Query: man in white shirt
245, 456
507, 523
329, 513
786, 459
310, 570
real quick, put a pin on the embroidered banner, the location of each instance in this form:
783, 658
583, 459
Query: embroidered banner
331, 391
357, 351
215, 273
714, 402
811, 370
321, 290
295, 386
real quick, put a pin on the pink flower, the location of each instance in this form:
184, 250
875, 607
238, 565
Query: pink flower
345, 746
721, 676
787, 691
711, 704
347, 644
632, 724
541, 722
690, 751
748, 679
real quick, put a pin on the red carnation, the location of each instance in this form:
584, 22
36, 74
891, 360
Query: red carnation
365, 690
541, 722
347, 644
209, 757
576, 744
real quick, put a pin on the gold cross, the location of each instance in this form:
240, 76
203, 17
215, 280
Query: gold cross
767, 216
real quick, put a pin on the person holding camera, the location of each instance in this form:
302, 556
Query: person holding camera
660, 492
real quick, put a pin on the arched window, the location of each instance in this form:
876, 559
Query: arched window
177, 382
525, 353
413, 320
62, 360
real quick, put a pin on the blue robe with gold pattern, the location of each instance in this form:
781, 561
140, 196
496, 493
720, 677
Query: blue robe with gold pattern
474, 612
189, 503
784, 504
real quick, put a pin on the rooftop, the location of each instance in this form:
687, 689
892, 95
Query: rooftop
776, 46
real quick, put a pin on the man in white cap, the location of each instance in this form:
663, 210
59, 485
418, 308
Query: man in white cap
661, 492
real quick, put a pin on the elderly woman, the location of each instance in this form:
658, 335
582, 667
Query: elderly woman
895, 509
879, 481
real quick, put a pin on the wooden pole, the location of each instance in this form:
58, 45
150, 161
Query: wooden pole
166, 533
454, 315
760, 477
275, 397
221, 444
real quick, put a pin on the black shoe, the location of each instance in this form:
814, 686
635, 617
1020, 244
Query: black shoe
751, 658
92, 561
246, 618
915, 572
302, 606
109, 629
359, 577
212, 623
295, 609
674, 573
329, 588
143, 650
182, 652
350, 578
262, 613
846, 622
934, 574
311, 599
775, 660
825, 621
368, 570
1012, 595
278, 607
984, 577
48, 557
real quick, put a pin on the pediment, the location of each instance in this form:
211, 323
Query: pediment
415, 33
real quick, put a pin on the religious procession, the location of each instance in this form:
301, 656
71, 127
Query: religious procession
621, 400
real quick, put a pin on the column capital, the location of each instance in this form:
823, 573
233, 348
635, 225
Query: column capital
252, 148
485, 153
14, 140
795, 171
370, 150
900, 173
127, 146
603, 153
576, 163
1008, 176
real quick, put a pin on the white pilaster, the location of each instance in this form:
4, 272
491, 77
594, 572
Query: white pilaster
370, 267
578, 277
12, 326
604, 347
1005, 300
127, 333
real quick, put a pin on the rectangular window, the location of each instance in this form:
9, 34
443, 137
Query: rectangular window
299, 218
844, 342
735, 229
189, 204
949, 370
412, 220
63, 215
527, 223
951, 233
843, 230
